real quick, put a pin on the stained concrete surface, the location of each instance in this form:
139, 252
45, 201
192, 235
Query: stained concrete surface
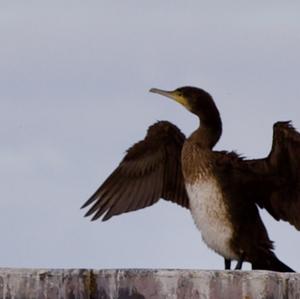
144, 284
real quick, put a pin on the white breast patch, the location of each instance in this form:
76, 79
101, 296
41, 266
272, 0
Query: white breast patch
210, 215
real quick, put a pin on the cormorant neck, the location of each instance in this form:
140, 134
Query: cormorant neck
210, 128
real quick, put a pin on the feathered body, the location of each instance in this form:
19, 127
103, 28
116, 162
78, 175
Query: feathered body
210, 211
226, 219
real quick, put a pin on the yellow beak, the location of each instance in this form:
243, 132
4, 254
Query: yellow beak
174, 95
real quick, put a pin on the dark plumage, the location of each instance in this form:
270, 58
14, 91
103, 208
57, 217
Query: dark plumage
150, 170
221, 189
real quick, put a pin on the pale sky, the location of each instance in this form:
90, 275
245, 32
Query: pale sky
74, 78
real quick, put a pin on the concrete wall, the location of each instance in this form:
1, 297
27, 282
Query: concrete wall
140, 284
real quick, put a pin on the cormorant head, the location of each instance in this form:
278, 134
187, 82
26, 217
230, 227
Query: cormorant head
196, 100
199, 102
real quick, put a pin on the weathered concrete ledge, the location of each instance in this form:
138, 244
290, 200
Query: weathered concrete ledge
140, 284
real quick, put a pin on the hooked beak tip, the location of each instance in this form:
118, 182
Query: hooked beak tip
162, 92
154, 90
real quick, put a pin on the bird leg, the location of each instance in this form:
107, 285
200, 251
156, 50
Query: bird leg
227, 264
240, 263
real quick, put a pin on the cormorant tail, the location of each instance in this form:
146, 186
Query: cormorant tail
271, 263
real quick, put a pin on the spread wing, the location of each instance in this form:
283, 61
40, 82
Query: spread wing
150, 170
280, 171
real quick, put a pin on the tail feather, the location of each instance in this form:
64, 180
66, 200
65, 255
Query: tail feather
271, 263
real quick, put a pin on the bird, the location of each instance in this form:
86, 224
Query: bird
222, 189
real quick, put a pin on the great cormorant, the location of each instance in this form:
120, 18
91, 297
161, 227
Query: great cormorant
221, 189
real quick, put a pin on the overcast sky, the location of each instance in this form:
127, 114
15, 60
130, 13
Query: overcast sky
74, 81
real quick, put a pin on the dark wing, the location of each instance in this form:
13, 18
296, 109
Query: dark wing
279, 175
150, 170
